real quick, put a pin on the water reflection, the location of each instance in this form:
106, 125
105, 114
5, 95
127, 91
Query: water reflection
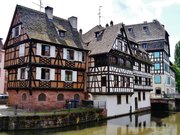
155, 123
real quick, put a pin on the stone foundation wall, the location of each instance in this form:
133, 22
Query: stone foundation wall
50, 121
32, 102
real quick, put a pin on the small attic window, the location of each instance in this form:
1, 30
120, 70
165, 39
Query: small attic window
62, 33
97, 34
146, 29
130, 30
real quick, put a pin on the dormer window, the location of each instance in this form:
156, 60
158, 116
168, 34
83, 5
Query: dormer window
130, 30
97, 34
146, 29
45, 50
62, 33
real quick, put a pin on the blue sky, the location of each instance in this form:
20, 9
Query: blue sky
126, 11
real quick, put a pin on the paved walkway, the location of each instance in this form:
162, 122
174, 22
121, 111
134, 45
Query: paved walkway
9, 111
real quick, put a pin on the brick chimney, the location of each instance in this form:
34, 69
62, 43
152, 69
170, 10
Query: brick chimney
49, 12
73, 22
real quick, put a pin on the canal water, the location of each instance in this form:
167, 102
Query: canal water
149, 123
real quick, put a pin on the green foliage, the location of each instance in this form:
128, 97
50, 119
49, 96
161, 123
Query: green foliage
177, 54
177, 74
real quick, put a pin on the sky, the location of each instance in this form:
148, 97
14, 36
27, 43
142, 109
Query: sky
126, 11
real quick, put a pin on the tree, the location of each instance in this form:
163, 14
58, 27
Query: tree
177, 76
177, 54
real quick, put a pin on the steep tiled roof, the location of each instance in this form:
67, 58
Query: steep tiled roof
38, 26
146, 31
104, 43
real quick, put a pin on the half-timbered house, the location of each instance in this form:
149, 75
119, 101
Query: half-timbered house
110, 77
45, 59
153, 37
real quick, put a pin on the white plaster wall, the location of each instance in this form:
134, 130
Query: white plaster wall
2, 77
112, 107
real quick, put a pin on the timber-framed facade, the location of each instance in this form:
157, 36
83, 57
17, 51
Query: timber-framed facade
111, 76
45, 67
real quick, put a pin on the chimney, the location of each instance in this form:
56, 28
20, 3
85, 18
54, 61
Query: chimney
73, 22
111, 23
49, 12
80, 31
107, 25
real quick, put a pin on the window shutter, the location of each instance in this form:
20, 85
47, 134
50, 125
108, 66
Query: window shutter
74, 76
76, 55
62, 75
64, 53
52, 74
53, 51
80, 56
19, 27
13, 32
38, 73
26, 73
38, 49
18, 74
21, 50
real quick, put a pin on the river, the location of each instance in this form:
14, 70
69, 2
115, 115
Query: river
149, 123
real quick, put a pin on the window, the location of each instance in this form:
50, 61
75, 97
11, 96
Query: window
156, 54
144, 45
70, 54
24, 97
118, 99
127, 81
168, 80
62, 33
68, 75
157, 66
16, 31
22, 73
136, 80
158, 91
45, 50
139, 67
140, 80
60, 97
116, 81
157, 79
127, 99
139, 96
103, 81
144, 96
122, 81
76, 97
42, 97
128, 64
45, 73
166, 67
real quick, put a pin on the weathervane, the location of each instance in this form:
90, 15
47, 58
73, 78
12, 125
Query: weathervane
40, 4
99, 15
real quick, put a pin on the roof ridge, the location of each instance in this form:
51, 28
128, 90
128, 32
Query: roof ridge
39, 12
